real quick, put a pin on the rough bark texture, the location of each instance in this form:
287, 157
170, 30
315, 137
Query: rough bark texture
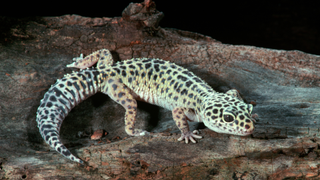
283, 85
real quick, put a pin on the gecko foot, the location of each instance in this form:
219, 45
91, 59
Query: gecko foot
140, 132
76, 60
190, 135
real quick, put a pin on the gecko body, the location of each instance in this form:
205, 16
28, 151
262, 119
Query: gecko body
151, 80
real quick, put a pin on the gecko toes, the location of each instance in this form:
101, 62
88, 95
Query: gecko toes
189, 136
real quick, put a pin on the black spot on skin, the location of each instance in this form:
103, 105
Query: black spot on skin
164, 67
193, 87
241, 124
110, 80
123, 67
175, 85
156, 67
47, 126
114, 86
130, 79
241, 117
209, 108
61, 85
174, 73
131, 73
124, 74
178, 117
197, 79
83, 85
129, 100
218, 105
182, 78
173, 81
163, 80
170, 95
120, 80
175, 98
188, 73
194, 104
116, 69
62, 101
226, 105
226, 98
140, 65
66, 153
236, 122
76, 86
169, 78
46, 112
143, 74
129, 107
248, 121
169, 71
74, 78
150, 74
53, 98
147, 66
123, 102
184, 101
208, 114
112, 74
167, 89
72, 92
173, 66
184, 91
132, 66
121, 94
49, 104
158, 61
147, 60
160, 74
190, 95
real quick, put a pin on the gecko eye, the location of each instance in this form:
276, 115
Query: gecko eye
228, 118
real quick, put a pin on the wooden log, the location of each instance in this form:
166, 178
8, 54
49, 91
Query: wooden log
282, 85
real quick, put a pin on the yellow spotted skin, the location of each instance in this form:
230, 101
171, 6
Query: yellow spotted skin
157, 82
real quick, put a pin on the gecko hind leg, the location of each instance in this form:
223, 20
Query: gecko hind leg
102, 56
121, 94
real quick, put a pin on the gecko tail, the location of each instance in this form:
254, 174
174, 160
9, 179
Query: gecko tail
58, 101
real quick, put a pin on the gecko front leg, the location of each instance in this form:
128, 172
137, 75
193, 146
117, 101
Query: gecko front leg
181, 121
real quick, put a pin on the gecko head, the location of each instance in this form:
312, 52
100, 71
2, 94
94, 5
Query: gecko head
228, 114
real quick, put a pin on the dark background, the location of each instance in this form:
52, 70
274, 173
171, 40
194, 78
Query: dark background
283, 24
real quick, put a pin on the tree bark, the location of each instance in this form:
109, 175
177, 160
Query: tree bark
282, 85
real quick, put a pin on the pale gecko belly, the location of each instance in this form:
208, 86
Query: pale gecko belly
152, 98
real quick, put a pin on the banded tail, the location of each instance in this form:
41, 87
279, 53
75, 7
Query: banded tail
64, 95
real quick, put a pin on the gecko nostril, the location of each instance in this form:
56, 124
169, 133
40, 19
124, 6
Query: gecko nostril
247, 126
